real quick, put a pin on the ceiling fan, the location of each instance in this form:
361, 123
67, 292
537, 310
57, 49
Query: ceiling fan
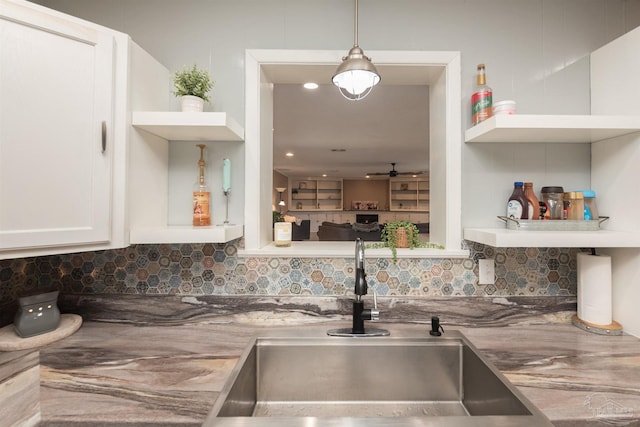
393, 172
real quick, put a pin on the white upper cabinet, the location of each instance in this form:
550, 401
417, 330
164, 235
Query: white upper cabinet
56, 130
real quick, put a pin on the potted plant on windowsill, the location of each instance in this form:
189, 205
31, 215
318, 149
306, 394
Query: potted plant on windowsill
401, 234
192, 86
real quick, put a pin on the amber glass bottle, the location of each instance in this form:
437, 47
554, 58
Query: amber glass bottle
201, 195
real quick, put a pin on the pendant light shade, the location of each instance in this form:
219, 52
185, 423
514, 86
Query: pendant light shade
356, 76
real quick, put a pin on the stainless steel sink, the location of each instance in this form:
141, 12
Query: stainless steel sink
382, 381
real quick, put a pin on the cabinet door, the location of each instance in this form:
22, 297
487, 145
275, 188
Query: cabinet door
56, 81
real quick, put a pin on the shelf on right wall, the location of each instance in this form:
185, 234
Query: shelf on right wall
552, 129
528, 128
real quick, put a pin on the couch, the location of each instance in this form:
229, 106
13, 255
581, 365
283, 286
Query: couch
367, 232
349, 232
302, 231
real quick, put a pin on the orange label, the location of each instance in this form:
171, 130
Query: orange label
201, 208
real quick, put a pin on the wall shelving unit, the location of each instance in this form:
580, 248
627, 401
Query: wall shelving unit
409, 194
552, 129
321, 194
179, 126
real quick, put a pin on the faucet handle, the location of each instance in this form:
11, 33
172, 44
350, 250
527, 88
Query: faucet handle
375, 314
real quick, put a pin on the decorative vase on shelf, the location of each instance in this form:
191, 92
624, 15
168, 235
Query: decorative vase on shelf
191, 104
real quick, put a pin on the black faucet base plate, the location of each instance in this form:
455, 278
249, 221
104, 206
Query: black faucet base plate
348, 332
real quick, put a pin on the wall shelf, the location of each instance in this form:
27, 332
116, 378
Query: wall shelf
175, 126
187, 234
502, 237
179, 126
523, 128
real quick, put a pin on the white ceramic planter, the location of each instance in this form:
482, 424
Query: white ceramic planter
190, 103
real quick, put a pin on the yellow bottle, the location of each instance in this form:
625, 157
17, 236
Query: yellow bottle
201, 195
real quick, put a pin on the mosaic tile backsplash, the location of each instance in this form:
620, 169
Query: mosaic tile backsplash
215, 269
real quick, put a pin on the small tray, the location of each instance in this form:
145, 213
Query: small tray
553, 225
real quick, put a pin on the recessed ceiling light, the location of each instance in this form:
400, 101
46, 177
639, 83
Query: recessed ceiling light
367, 176
324, 175
311, 85
289, 154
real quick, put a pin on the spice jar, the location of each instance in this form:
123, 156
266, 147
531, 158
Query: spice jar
574, 205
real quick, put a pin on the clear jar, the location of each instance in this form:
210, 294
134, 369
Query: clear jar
574, 205
504, 107
553, 200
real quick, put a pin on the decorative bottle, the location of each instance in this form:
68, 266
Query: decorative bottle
482, 98
201, 195
534, 204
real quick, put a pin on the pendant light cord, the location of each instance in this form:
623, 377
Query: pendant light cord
355, 26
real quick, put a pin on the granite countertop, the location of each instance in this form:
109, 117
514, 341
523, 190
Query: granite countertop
163, 361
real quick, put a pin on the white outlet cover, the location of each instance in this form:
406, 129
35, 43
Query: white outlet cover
486, 271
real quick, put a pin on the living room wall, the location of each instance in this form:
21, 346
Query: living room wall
365, 189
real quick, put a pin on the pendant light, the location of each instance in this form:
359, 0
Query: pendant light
356, 76
281, 203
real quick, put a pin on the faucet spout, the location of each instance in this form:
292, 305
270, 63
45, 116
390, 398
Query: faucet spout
361, 281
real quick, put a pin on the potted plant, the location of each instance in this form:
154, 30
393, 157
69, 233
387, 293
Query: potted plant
192, 86
401, 234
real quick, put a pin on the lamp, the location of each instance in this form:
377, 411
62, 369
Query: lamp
281, 190
356, 76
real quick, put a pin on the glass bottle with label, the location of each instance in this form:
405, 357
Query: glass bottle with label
482, 98
201, 195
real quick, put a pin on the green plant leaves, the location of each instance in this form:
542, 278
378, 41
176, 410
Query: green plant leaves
192, 81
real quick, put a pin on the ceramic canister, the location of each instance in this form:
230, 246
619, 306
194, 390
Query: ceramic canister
37, 314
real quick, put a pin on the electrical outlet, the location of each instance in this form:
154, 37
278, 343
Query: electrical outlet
486, 272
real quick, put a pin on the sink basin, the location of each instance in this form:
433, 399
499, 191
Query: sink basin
381, 381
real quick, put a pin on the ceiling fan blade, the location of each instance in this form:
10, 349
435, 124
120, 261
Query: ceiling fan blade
378, 173
411, 173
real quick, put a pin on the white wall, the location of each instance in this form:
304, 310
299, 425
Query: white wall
615, 167
536, 52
